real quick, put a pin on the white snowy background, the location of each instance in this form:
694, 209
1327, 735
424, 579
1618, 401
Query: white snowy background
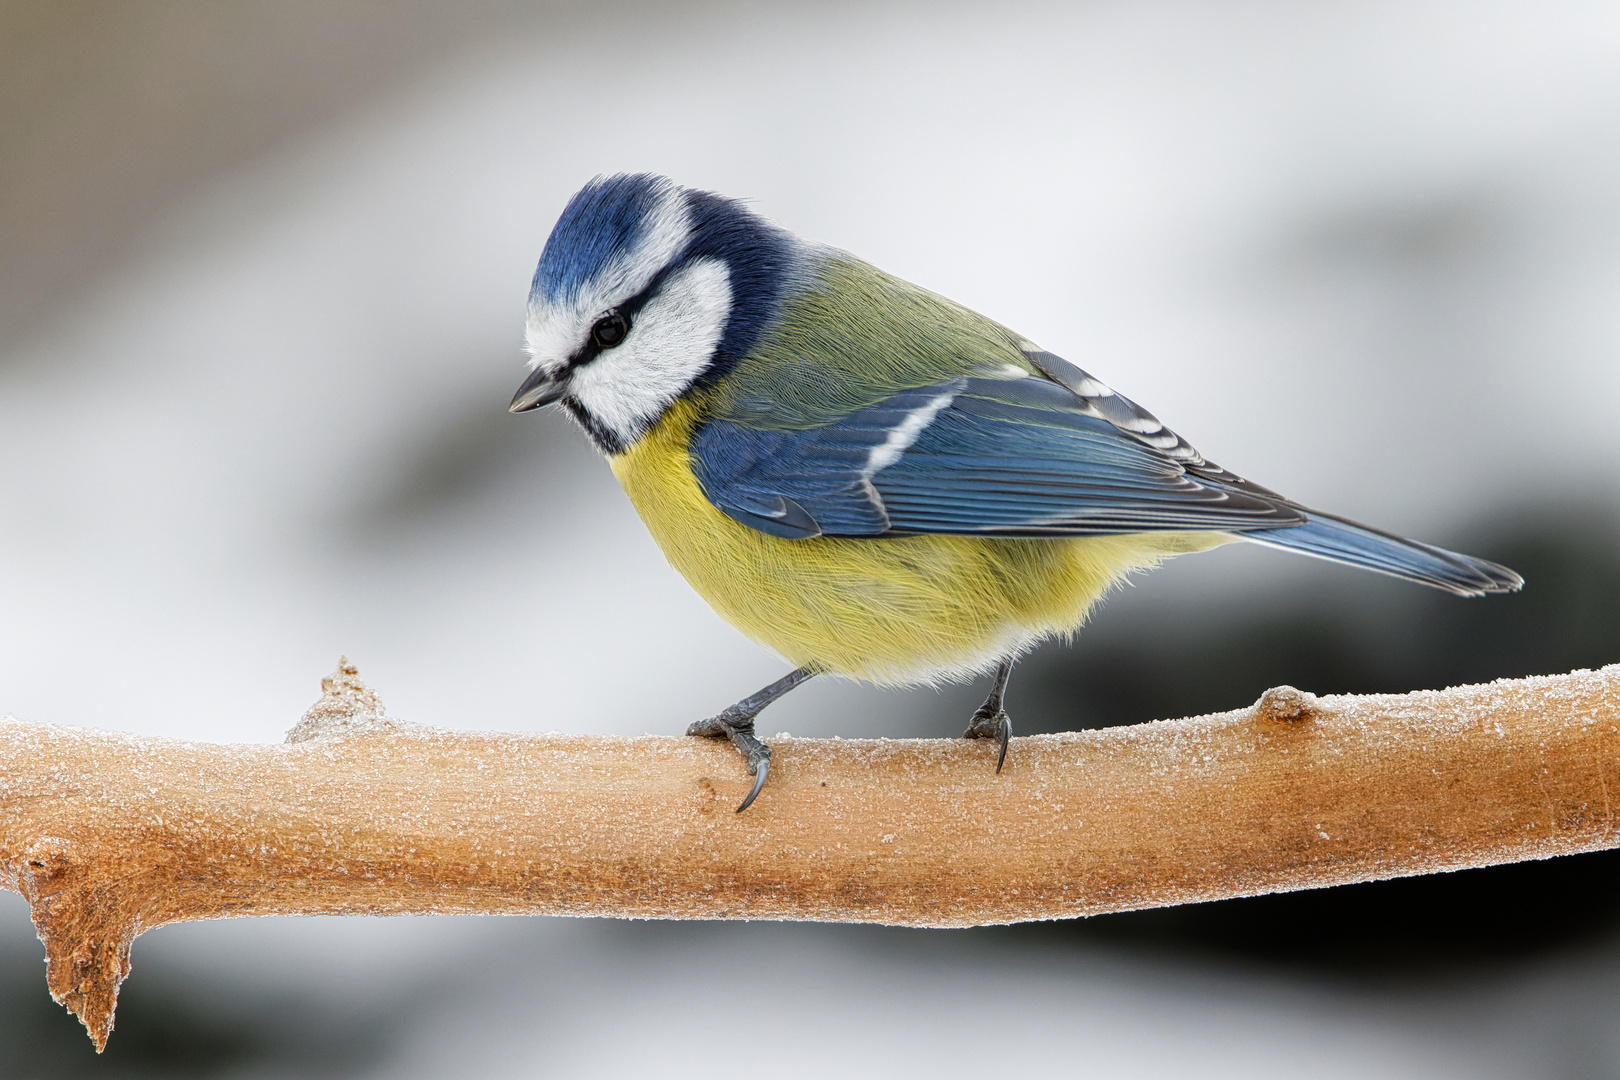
1365, 253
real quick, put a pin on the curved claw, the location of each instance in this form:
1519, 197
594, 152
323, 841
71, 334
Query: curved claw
988, 725
760, 769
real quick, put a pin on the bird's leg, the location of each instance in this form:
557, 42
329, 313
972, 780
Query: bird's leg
992, 721
737, 724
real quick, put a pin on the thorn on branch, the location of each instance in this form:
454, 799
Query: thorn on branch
347, 707
87, 930
1286, 705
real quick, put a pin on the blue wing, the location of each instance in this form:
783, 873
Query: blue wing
1026, 457
988, 456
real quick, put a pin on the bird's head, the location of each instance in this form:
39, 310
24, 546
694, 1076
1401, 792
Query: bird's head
646, 289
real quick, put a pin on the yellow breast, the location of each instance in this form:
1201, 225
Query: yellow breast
900, 610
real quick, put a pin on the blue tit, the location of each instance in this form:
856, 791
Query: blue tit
864, 477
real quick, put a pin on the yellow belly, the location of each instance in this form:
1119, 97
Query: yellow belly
897, 611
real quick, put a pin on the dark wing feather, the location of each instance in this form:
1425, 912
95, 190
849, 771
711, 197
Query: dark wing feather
980, 456
1060, 456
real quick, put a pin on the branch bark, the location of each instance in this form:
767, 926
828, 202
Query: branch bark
108, 835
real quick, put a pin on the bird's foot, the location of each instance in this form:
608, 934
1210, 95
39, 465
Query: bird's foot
741, 733
991, 722
737, 724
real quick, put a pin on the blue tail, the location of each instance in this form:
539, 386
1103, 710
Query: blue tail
1337, 540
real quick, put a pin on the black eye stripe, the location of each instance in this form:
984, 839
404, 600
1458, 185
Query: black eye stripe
627, 312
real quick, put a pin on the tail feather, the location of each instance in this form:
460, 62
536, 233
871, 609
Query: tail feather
1338, 540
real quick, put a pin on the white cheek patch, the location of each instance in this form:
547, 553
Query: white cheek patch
557, 328
671, 341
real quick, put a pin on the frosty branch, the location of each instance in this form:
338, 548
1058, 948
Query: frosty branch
108, 835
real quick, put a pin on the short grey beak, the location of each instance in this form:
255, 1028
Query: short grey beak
537, 390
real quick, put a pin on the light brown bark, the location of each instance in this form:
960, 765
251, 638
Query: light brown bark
108, 835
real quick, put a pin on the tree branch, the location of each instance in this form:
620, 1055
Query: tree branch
108, 835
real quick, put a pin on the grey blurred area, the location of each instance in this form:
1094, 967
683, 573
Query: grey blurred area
262, 272
460, 997
109, 112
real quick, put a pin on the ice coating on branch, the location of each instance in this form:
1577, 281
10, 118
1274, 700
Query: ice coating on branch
347, 707
108, 834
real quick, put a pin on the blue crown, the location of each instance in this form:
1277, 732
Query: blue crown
606, 216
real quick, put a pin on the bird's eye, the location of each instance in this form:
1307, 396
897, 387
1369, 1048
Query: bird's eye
610, 330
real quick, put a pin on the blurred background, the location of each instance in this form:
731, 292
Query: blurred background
262, 274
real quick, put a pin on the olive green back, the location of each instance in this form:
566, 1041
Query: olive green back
853, 337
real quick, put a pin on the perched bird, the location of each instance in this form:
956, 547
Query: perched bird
867, 478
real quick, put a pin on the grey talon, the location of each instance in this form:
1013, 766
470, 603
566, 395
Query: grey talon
736, 724
760, 767
992, 721
712, 728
